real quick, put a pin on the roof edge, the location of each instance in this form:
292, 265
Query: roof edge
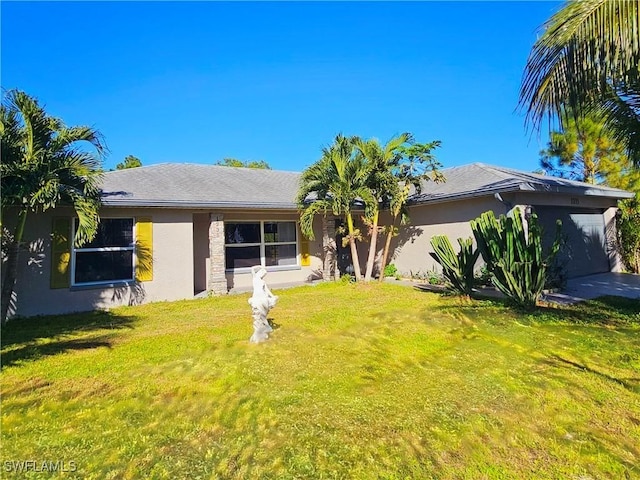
141, 203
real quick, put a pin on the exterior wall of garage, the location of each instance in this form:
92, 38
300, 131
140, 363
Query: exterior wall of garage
410, 249
589, 252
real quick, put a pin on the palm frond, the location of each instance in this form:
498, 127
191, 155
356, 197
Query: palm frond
587, 59
45, 164
308, 214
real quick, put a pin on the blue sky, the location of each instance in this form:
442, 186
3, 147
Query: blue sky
198, 81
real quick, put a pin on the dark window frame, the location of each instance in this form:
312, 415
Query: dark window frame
130, 247
263, 244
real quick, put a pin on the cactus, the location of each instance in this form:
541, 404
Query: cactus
456, 268
514, 255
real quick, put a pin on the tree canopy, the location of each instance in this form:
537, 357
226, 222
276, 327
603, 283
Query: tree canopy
356, 174
381, 161
44, 164
587, 60
234, 162
336, 182
129, 162
582, 150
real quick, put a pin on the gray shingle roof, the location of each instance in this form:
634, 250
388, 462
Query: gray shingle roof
200, 186
213, 186
478, 179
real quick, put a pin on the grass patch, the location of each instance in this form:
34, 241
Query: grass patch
357, 381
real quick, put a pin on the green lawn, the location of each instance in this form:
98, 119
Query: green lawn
377, 381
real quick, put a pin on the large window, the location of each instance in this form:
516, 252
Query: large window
271, 244
109, 257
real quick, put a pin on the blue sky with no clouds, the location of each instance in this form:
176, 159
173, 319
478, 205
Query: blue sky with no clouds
198, 81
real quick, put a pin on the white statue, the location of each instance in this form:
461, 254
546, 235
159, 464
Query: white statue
261, 302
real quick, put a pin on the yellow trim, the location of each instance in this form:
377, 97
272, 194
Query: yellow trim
60, 252
305, 257
144, 249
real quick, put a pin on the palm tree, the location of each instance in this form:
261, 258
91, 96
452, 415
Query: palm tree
333, 184
584, 151
580, 149
382, 160
587, 61
416, 165
44, 165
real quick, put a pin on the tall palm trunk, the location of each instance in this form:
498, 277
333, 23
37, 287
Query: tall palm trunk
11, 269
354, 250
372, 248
385, 252
327, 250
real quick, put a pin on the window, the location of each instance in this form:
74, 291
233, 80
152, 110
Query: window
109, 257
271, 244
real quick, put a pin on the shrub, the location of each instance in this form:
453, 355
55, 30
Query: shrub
456, 268
390, 271
514, 255
628, 223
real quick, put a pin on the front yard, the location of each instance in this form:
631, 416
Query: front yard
357, 381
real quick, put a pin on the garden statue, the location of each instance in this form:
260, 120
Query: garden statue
261, 302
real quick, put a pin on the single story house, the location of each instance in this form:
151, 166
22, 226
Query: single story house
174, 231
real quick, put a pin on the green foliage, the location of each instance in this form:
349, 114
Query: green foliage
390, 270
456, 267
587, 60
380, 161
581, 150
347, 278
335, 183
431, 276
234, 162
514, 255
364, 382
45, 164
414, 164
628, 225
483, 277
129, 162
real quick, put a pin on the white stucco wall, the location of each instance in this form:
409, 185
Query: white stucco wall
410, 249
615, 259
181, 251
412, 246
172, 267
180, 262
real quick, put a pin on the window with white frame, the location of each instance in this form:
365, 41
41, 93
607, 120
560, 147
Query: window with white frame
267, 243
109, 257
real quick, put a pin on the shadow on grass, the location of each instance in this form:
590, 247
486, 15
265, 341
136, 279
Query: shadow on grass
31, 338
632, 384
33, 352
609, 311
603, 311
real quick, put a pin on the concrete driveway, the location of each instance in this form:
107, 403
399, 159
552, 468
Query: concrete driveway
593, 286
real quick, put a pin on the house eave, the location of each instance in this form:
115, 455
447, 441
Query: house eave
593, 191
131, 203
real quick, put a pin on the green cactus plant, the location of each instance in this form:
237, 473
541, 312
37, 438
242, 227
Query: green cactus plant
456, 268
514, 254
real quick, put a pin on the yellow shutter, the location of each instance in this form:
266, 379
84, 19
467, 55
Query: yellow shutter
144, 249
60, 252
305, 261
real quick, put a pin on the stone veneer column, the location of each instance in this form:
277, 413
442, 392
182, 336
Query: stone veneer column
217, 277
